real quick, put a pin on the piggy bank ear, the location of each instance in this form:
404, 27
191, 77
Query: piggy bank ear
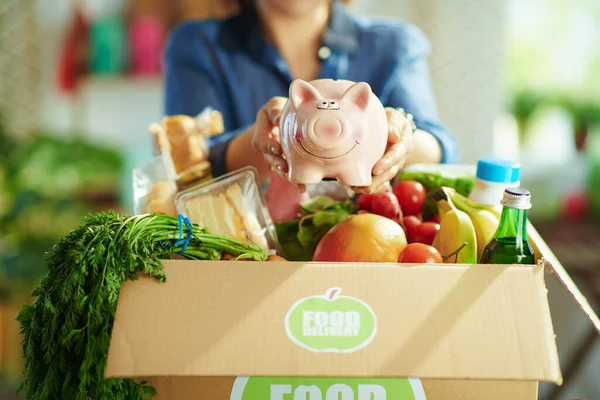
359, 94
301, 91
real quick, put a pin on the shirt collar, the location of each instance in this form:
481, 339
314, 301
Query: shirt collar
342, 34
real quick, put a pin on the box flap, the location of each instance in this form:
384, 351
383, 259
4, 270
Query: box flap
552, 262
314, 319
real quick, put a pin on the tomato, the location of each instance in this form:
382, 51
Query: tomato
419, 253
425, 232
410, 222
365, 201
386, 205
411, 195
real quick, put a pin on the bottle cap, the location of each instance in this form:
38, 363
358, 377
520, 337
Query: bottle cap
517, 198
498, 170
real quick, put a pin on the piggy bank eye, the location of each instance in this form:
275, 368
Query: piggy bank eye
324, 105
333, 105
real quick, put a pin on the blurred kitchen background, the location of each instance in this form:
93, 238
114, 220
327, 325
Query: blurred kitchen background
80, 81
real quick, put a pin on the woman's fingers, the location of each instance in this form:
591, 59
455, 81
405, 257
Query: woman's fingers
279, 166
394, 159
266, 130
382, 181
383, 188
266, 137
386, 169
395, 155
396, 125
266, 145
268, 116
399, 131
277, 163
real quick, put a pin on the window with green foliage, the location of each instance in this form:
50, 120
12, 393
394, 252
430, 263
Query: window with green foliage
553, 57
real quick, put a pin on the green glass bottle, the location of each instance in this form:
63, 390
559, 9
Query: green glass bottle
510, 244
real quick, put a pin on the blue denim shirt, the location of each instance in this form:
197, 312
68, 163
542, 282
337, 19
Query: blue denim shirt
229, 66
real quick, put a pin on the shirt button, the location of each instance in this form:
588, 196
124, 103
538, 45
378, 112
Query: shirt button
324, 53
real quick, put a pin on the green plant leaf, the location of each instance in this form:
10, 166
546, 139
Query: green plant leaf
306, 234
316, 204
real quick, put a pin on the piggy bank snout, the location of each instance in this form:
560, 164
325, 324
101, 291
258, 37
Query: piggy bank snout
327, 128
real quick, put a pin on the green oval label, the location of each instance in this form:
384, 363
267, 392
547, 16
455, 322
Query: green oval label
331, 323
301, 388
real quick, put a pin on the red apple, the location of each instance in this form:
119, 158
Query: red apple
436, 218
363, 212
386, 205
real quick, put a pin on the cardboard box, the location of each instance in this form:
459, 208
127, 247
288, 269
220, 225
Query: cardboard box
318, 331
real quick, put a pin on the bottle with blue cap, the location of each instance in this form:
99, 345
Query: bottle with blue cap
494, 176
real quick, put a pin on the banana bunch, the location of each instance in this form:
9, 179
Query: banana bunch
465, 226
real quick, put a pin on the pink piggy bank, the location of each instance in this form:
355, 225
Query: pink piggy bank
332, 129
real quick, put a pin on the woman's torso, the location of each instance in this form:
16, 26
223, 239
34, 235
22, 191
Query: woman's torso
246, 71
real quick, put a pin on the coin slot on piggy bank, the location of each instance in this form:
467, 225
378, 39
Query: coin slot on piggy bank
332, 129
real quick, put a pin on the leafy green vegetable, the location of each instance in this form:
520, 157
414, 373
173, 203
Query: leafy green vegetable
67, 329
433, 181
57, 167
298, 239
317, 204
47, 183
287, 233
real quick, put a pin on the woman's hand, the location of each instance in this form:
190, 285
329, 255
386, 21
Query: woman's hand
400, 137
266, 138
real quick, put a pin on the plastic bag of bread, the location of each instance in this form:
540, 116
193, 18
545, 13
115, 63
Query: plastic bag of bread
154, 187
186, 140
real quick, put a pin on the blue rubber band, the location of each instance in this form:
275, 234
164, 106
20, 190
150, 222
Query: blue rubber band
188, 224
185, 241
180, 219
